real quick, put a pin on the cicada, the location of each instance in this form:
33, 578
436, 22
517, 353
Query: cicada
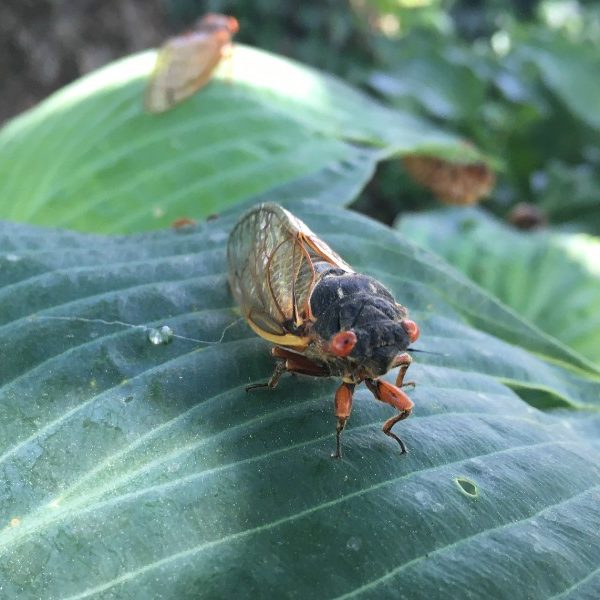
185, 63
323, 318
452, 183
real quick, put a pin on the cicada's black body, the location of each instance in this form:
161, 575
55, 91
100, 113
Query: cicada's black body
323, 318
343, 301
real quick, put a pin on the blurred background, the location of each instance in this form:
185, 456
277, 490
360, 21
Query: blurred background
519, 79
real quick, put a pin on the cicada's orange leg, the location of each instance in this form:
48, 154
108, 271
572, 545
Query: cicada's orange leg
343, 408
272, 383
390, 394
403, 361
290, 362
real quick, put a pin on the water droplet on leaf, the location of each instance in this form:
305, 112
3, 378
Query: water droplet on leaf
162, 335
354, 543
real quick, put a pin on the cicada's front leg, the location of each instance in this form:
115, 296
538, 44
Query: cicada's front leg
273, 381
390, 394
343, 408
403, 361
291, 362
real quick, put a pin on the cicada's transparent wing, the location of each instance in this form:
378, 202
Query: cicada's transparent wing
185, 63
271, 258
267, 266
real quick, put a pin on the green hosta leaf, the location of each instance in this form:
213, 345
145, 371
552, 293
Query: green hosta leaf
440, 76
552, 280
90, 158
568, 69
570, 196
133, 470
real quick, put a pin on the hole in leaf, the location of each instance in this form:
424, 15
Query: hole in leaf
467, 487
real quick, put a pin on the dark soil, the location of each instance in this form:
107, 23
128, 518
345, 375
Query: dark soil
45, 44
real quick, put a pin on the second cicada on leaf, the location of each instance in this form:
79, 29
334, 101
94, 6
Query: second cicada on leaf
323, 318
185, 63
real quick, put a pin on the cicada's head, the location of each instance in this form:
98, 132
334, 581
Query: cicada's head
214, 22
361, 323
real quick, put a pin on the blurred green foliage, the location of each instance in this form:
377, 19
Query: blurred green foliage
323, 33
550, 279
517, 78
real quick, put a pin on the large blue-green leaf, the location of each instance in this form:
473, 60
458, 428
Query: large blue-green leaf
552, 280
135, 470
437, 74
90, 158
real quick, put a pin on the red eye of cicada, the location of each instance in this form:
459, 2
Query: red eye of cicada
342, 343
412, 329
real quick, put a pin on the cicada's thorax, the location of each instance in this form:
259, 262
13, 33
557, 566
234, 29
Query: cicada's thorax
343, 301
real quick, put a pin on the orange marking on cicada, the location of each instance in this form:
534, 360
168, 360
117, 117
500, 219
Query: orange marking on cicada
412, 329
390, 394
343, 408
403, 361
342, 343
217, 21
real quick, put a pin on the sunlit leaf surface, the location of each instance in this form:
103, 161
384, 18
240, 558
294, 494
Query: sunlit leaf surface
90, 158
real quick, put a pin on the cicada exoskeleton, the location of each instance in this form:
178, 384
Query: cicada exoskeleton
324, 319
452, 183
185, 63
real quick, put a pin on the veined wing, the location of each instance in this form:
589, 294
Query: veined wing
272, 257
184, 65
